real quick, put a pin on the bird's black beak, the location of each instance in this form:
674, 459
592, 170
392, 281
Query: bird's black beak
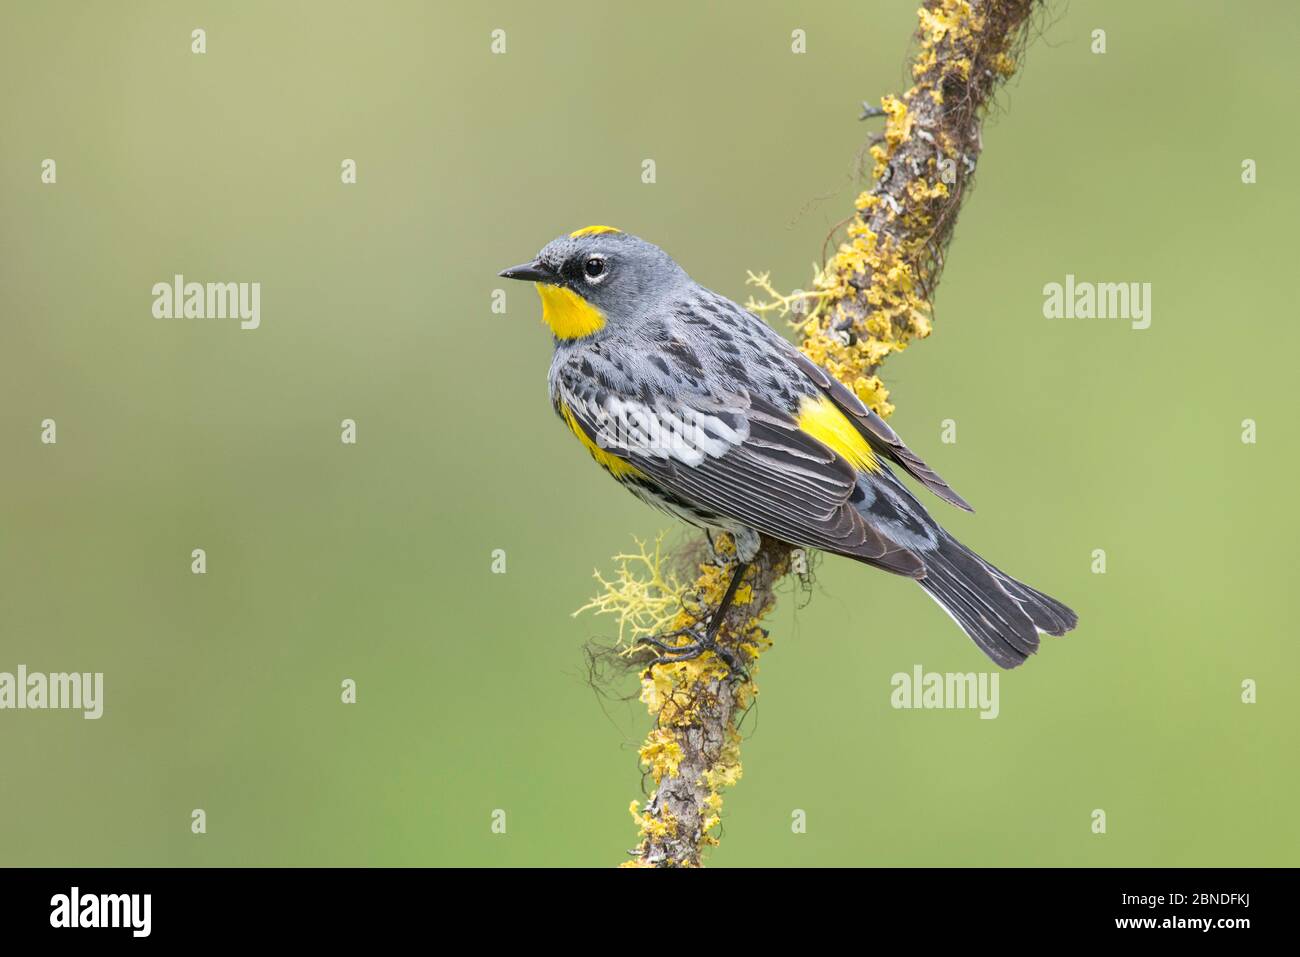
535, 271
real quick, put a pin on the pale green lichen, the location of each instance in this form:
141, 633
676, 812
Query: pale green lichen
644, 595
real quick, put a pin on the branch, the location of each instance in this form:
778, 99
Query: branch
869, 301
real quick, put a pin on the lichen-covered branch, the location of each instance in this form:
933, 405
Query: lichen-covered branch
869, 301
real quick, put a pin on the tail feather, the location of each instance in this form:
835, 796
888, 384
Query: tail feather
1003, 616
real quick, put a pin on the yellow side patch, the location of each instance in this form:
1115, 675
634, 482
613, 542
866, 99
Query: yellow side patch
611, 463
593, 231
568, 314
822, 419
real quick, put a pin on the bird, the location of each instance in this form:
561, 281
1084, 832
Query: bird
702, 410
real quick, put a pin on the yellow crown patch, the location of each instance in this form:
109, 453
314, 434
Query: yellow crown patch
593, 231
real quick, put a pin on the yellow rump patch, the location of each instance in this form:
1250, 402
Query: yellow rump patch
822, 419
593, 231
568, 314
611, 463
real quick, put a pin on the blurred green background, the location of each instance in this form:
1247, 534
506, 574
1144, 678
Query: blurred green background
373, 561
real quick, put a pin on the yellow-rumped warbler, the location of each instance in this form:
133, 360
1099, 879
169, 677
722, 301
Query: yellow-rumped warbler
701, 409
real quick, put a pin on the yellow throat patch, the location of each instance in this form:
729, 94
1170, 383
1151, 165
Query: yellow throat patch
822, 419
568, 314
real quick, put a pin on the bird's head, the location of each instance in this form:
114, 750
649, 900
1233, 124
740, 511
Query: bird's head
599, 277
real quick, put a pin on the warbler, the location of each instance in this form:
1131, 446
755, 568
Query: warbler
701, 409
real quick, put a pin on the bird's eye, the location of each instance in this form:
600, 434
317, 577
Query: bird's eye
594, 267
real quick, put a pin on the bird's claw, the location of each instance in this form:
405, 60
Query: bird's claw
700, 643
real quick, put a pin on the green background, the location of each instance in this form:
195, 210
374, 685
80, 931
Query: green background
372, 561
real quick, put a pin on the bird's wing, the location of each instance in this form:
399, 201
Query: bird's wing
740, 458
877, 433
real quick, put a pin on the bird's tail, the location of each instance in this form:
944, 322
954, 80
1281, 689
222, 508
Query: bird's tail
1003, 616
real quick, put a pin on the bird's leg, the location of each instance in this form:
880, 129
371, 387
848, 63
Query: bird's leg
728, 596
707, 642
719, 556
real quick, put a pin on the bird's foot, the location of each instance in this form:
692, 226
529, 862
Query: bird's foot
701, 641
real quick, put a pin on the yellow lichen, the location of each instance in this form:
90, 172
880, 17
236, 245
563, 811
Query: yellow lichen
953, 17
898, 121
727, 771
651, 826
661, 754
